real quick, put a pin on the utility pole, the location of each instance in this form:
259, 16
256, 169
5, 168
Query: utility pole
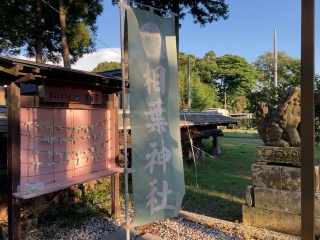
275, 69
189, 87
225, 102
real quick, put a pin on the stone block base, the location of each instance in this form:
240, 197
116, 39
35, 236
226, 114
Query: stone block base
280, 177
278, 200
279, 155
273, 200
275, 221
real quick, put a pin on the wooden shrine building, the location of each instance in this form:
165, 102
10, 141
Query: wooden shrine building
62, 134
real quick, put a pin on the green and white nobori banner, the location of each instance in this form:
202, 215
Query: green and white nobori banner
158, 178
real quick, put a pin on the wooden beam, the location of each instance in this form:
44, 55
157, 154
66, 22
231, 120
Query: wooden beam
26, 78
13, 156
36, 70
59, 185
307, 119
14, 70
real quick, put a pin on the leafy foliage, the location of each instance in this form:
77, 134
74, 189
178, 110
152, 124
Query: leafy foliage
20, 32
106, 66
203, 93
13, 29
288, 74
235, 77
203, 11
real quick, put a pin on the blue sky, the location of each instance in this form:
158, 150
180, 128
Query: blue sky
248, 32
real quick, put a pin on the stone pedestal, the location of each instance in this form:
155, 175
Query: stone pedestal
273, 201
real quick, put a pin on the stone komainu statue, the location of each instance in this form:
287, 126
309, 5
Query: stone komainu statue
279, 127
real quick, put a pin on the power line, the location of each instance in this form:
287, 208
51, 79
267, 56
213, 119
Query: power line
108, 46
52, 7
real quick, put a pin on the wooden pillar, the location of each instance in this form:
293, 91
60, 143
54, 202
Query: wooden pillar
2, 96
13, 152
215, 150
115, 210
307, 120
116, 126
115, 178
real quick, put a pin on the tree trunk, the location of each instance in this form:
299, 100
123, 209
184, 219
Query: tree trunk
38, 42
64, 42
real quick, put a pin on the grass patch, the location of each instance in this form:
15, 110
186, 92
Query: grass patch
240, 131
222, 181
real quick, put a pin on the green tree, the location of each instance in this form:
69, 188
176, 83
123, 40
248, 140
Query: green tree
203, 93
207, 67
202, 11
13, 29
288, 74
183, 90
106, 66
21, 32
235, 78
317, 84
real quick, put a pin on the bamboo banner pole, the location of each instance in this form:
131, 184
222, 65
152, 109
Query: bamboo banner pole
124, 118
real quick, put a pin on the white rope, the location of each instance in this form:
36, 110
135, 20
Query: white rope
201, 150
194, 161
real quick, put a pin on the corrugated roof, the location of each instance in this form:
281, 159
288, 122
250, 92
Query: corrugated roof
192, 119
117, 73
205, 118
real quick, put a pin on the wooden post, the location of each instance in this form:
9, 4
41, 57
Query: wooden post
2, 96
13, 151
215, 150
115, 196
115, 178
116, 127
307, 120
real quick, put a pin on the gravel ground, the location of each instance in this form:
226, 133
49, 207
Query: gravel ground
186, 226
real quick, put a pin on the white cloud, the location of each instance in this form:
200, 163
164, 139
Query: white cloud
89, 61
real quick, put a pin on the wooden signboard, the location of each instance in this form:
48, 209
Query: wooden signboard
70, 93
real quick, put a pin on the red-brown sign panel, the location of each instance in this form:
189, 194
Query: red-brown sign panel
62, 144
70, 93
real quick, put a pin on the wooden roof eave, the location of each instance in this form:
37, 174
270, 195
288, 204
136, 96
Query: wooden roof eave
24, 71
10, 69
